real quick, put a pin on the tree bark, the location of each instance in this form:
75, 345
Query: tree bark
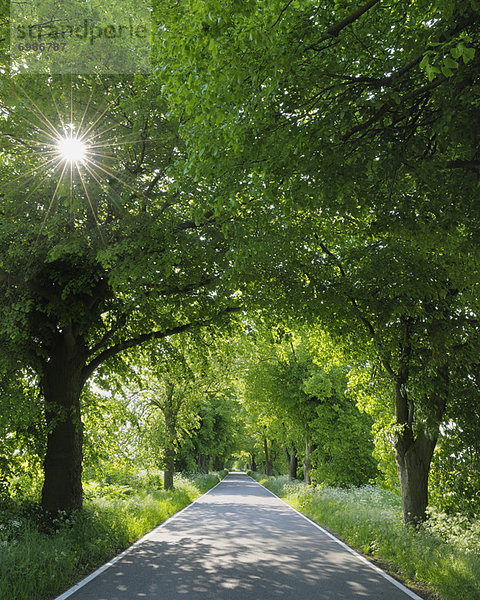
287, 454
413, 447
202, 463
307, 467
170, 410
268, 464
413, 456
292, 464
218, 463
62, 382
253, 466
169, 468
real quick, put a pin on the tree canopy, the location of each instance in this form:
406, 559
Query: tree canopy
339, 130
289, 161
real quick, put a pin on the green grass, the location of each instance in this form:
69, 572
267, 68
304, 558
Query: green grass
38, 561
444, 555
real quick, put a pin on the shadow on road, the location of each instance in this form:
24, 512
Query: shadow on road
239, 542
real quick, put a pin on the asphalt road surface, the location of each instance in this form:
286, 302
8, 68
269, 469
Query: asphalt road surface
238, 541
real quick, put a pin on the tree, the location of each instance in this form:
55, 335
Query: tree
189, 411
411, 311
99, 257
217, 435
301, 395
172, 396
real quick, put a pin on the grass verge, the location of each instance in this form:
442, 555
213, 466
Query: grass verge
443, 557
39, 561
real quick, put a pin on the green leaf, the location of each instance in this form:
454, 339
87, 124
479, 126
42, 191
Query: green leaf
425, 62
457, 51
468, 54
431, 72
446, 71
450, 63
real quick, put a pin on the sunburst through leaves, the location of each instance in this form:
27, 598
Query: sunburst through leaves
81, 149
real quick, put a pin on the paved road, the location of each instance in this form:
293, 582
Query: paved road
239, 542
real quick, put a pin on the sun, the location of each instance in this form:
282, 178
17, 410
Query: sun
72, 149
74, 140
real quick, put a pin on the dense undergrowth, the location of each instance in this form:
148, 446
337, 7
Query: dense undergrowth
40, 558
444, 555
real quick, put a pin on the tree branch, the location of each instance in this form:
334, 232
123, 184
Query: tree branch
153, 183
366, 322
335, 30
20, 141
146, 337
281, 13
470, 165
109, 334
370, 328
388, 105
144, 137
192, 225
331, 255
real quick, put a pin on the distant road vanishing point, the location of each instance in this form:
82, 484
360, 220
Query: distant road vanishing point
238, 542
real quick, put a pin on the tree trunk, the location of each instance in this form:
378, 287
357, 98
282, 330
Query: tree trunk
307, 467
170, 411
414, 449
413, 457
218, 463
202, 463
62, 382
254, 463
169, 468
292, 464
268, 464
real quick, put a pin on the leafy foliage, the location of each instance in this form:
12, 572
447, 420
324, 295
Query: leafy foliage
111, 255
340, 134
302, 394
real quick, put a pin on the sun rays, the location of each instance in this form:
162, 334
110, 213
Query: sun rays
81, 152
